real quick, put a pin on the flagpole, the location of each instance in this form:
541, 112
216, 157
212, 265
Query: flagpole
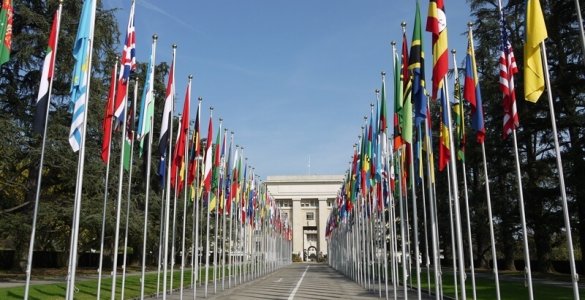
119, 200
469, 240
129, 192
40, 174
197, 219
432, 207
209, 148
415, 220
231, 239
574, 275
80, 167
215, 225
580, 19
454, 254
148, 161
492, 235
224, 221
425, 220
105, 206
174, 226
185, 180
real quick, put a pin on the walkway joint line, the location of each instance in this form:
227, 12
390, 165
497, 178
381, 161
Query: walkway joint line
292, 295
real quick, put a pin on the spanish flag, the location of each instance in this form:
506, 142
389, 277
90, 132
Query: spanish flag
535, 34
437, 26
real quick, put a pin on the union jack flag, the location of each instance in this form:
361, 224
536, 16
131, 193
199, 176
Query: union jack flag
128, 62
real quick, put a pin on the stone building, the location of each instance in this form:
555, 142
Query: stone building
306, 201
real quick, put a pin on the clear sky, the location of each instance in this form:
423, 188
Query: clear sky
292, 79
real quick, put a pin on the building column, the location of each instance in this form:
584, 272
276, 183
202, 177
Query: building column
297, 226
322, 215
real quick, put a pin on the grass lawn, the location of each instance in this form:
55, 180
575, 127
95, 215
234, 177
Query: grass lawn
87, 288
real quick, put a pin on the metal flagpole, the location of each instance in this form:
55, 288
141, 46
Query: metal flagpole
453, 243
225, 214
465, 193
119, 200
574, 275
580, 19
105, 206
402, 225
198, 161
174, 225
492, 235
185, 192
216, 224
200, 233
209, 148
425, 220
128, 192
80, 167
146, 199
415, 220
40, 174
160, 239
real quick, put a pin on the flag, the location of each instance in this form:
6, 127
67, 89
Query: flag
406, 120
195, 145
178, 160
472, 92
130, 123
164, 139
128, 61
416, 65
47, 77
80, 78
437, 25
215, 170
398, 96
146, 116
508, 68
459, 121
6, 30
383, 123
535, 35
444, 142
208, 158
109, 113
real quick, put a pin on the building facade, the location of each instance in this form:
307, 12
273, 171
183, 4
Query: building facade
307, 202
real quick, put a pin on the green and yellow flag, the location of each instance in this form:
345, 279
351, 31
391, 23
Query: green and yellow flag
6, 30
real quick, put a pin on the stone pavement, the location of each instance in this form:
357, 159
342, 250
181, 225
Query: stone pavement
296, 281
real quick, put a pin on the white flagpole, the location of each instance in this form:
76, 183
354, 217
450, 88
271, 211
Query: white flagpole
80, 168
185, 192
454, 254
570, 249
465, 193
174, 226
218, 201
128, 194
209, 148
197, 219
160, 239
232, 223
40, 175
105, 206
415, 220
224, 218
455, 187
148, 161
580, 19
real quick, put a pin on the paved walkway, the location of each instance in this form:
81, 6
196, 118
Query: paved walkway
296, 281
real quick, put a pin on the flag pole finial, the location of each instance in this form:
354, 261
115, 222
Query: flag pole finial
469, 24
174, 46
154, 37
403, 25
383, 73
377, 91
190, 76
393, 43
453, 51
199, 99
372, 104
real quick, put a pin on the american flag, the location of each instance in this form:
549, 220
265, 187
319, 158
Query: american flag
508, 68
128, 62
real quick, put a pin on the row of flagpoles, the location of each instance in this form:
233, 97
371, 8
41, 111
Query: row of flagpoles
253, 239
369, 230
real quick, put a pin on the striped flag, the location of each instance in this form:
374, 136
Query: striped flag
208, 158
129, 66
459, 121
416, 65
472, 92
80, 77
47, 76
6, 30
444, 142
109, 113
195, 147
147, 103
178, 162
164, 139
508, 68
437, 25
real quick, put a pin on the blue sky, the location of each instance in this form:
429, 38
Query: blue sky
292, 79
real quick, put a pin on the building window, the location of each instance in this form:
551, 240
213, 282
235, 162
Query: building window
312, 237
310, 216
284, 203
330, 202
309, 203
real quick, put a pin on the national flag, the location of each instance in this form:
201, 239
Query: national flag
146, 116
130, 123
437, 25
81, 72
459, 117
508, 68
47, 77
444, 142
215, 192
109, 113
406, 120
535, 35
128, 61
208, 158
416, 65
178, 160
398, 96
195, 147
164, 139
383, 123
472, 92
6, 30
